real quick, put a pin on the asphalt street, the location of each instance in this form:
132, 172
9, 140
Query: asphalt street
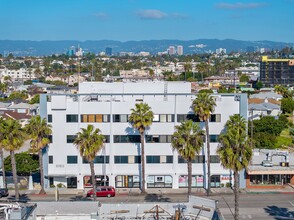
252, 206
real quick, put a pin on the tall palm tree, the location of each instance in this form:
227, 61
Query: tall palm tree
203, 106
39, 131
1, 151
89, 141
13, 139
188, 141
141, 118
235, 151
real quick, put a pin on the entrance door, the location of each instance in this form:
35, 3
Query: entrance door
72, 182
215, 181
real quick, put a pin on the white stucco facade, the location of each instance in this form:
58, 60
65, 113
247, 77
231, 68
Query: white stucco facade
111, 102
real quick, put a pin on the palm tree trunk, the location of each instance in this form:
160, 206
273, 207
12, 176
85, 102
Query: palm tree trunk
93, 179
143, 190
13, 165
236, 182
189, 164
42, 191
3, 168
208, 156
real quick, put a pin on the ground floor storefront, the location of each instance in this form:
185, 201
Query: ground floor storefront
133, 181
270, 177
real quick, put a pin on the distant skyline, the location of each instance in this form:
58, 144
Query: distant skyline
126, 20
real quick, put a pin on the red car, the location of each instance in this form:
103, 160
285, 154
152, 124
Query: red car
102, 191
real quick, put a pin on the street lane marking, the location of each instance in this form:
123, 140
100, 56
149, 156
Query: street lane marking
292, 204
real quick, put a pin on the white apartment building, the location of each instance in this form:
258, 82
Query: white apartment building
20, 74
180, 50
107, 106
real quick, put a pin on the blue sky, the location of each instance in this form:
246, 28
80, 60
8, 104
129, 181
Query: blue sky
126, 20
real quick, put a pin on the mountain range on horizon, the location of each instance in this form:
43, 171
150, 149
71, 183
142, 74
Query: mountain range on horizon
42, 48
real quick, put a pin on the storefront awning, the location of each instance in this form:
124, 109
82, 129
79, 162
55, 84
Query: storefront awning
259, 170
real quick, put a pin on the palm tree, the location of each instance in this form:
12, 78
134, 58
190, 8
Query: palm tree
13, 139
90, 141
1, 151
39, 131
235, 151
141, 118
188, 141
203, 106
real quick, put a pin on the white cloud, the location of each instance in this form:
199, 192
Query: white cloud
101, 15
151, 14
240, 5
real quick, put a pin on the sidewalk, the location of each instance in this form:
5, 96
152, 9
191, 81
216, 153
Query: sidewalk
162, 191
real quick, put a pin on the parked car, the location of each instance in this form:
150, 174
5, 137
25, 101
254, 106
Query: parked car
4, 192
102, 191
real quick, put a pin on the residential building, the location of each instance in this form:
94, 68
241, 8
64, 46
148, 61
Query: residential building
276, 71
107, 106
18, 74
171, 50
180, 50
221, 50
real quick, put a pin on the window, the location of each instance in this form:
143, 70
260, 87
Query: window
163, 118
50, 137
159, 181
126, 139
181, 118
98, 118
50, 159
158, 138
137, 159
120, 118
153, 159
49, 118
197, 181
125, 181
98, 159
106, 138
169, 159
214, 159
72, 159
70, 138
213, 138
71, 118
215, 118
121, 159
198, 159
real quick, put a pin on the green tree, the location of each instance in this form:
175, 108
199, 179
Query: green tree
188, 141
141, 117
35, 99
259, 85
25, 164
244, 78
90, 141
234, 151
287, 105
13, 139
203, 106
39, 131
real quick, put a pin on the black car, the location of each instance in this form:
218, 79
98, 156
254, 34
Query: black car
3, 192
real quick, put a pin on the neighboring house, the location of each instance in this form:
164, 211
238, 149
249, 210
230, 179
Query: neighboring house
107, 106
270, 169
21, 117
24, 108
259, 108
267, 95
69, 80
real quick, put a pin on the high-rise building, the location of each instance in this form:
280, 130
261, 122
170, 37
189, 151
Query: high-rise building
108, 51
171, 50
180, 50
276, 71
